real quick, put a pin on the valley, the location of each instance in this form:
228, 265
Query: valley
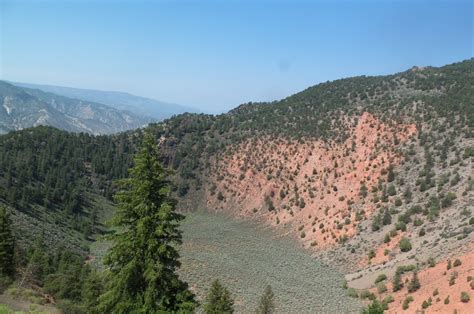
220, 157
247, 257
352, 192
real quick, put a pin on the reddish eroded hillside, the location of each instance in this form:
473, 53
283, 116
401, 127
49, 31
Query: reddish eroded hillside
318, 188
440, 288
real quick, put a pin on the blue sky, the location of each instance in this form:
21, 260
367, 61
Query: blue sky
216, 55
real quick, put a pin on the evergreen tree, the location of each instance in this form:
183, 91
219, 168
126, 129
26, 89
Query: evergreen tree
391, 174
7, 245
91, 290
375, 308
37, 264
397, 282
377, 222
218, 300
414, 283
65, 281
387, 217
266, 304
143, 258
363, 191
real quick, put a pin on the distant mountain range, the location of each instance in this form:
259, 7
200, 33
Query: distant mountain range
22, 107
155, 109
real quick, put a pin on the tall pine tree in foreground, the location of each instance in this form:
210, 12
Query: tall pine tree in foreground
218, 300
143, 259
266, 304
7, 245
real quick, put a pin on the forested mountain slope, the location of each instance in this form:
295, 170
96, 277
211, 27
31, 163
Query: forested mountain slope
371, 173
60, 179
24, 107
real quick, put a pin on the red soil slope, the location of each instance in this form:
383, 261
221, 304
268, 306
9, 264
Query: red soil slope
326, 176
438, 278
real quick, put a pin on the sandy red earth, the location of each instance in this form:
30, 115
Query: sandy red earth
327, 176
435, 284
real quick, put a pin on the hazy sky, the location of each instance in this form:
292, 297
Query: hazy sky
218, 54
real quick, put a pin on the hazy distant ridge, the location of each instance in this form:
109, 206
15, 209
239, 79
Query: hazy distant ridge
156, 109
22, 107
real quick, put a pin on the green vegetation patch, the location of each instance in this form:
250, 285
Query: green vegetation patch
246, 258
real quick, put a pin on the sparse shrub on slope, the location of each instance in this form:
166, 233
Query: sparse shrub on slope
266, 304
380, 278
465, 297
405, 245
407, 301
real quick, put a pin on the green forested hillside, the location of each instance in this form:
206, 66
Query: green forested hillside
45, 171
142, 261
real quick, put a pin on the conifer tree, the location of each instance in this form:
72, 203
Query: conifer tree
218, 300
91, 289
7, 245
266, 304
397, 282
143, 259
391, 174
414, 283
387, 217
37, 264
363, 190
375, 308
